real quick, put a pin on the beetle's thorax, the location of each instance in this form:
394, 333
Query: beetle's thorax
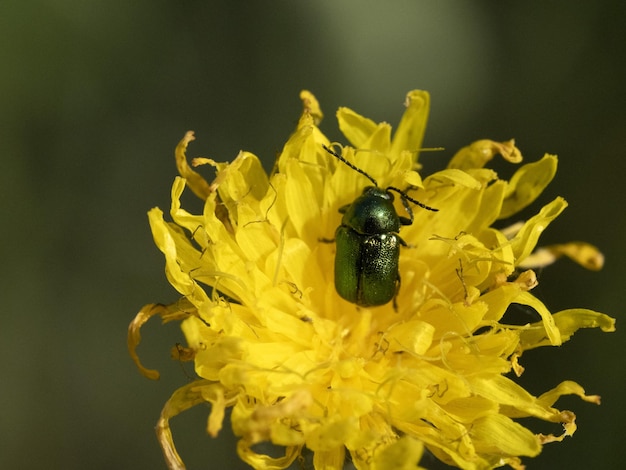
372, 213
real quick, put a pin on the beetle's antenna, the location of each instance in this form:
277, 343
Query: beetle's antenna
355, 168
390, 188
414, 201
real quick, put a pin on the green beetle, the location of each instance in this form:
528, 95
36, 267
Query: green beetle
368, 244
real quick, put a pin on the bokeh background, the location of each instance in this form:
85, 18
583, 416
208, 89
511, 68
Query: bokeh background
95, 95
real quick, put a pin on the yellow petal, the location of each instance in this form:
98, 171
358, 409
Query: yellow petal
496, 433
457, 177
415, 336
355, 127
410, 131
265, 462
567, 388
567, 322
311, 106
548, 322
403, 454
379, 140
197, 183
515, 401
180, 257
167, 313
480, 152
330, 459
328, 436
526, 239
527, 184
414, 179
585, 254
302, 202
184, 398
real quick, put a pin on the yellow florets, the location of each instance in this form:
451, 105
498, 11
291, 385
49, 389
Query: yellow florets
300, 366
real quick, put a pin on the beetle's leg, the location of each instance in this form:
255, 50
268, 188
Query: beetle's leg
395, 296
398, 280
407, 208
329, 240
342, 210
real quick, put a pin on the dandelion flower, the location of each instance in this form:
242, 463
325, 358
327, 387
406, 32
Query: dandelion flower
302, 368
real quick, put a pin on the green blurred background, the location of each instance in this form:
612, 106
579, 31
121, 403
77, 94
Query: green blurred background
95, 95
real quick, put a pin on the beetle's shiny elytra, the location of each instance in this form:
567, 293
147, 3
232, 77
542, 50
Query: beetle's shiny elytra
368, 244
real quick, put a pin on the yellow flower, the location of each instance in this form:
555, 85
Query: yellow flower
301, 367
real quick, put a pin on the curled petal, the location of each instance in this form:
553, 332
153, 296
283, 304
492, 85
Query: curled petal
167, 313
184, 398
265, 462
526, 239
527, 184
585, 254
197, 183
480, 152
567, 322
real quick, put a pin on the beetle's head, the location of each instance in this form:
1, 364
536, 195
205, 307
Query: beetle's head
372, 212
375, 191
